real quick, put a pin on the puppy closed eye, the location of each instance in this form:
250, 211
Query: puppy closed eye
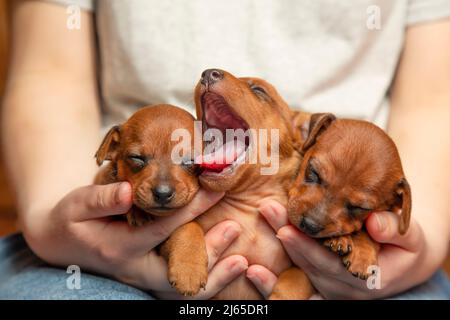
312, 176
356, 210
258, 90
137, 162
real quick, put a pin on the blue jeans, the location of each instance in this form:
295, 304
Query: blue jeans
25, 276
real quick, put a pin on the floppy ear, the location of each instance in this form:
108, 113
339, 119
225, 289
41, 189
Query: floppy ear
108, 148
403, 194
300, 126
318, 123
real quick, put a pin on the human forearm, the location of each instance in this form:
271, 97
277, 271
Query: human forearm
423, 137
419, 126
50, 111
50, 132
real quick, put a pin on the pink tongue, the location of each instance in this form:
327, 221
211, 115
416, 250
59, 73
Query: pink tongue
223, 156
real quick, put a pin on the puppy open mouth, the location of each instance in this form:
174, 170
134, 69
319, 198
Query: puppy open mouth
223, 158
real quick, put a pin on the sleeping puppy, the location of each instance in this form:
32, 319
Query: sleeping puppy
350, 169
140, 152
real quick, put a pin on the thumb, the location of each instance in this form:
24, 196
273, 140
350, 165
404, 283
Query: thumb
274, 212
383, 228
104, 200
263, 279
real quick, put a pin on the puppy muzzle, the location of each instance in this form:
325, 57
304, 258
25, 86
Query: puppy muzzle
309, 226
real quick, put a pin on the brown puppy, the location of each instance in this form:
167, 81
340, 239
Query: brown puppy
226, 102
350, 169
140, 151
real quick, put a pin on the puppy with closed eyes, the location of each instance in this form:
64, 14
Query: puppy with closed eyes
140, 152
350, 169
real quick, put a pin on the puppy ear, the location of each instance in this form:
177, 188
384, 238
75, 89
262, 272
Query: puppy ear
300, 126
108, 147
318, 123
403, 196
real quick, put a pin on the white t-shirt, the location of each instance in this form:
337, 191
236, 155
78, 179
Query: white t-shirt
322, 55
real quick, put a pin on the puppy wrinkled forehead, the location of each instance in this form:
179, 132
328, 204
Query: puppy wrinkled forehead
359, 151
150, 129
353, 138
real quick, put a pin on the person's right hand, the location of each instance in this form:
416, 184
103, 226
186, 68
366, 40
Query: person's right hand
81, 230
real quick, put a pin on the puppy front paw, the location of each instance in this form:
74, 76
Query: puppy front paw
137, 218
188, 278
341, 245
359, 260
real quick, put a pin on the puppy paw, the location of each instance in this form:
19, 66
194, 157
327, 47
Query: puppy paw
277, 296
341, 245
137, 218
188, 278
358, 261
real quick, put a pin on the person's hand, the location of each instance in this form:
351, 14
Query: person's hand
81, 230
401, 259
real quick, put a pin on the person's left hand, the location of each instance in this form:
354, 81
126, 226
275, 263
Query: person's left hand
401, 258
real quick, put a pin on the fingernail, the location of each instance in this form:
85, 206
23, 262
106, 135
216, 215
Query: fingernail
230, 233
238, 267
122, 192
271, 212
381, 221
284, 238
281, 238
254, 278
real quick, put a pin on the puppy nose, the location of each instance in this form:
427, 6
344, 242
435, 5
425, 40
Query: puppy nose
163, 194
309, 226
211, 76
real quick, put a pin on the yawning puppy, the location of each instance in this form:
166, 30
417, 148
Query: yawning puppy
350, 169
226, 102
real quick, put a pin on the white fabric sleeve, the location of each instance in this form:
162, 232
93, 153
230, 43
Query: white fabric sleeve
88, 5
420, 11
